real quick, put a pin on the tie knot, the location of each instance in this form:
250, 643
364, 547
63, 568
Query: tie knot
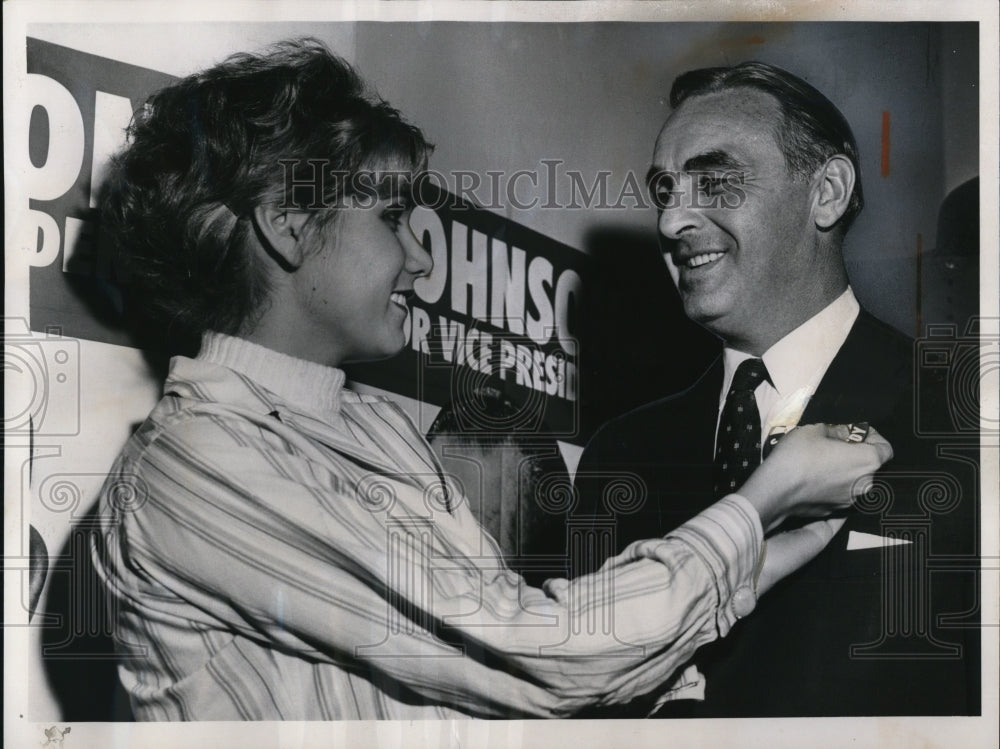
748, 376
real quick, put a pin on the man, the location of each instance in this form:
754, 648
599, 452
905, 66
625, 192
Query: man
756, 178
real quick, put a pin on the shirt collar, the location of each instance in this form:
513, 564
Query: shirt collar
799, 360
314, 387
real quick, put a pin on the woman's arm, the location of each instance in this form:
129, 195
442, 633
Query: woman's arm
283, 549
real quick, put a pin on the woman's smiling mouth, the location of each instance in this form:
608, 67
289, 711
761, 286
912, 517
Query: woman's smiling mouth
399, 298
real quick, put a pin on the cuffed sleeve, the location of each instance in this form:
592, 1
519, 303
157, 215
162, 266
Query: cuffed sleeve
728, 538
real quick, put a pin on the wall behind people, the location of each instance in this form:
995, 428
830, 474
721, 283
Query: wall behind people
592, 97
959, 98
561, 117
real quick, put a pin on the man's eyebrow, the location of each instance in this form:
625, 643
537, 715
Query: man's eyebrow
709, 161
714, 161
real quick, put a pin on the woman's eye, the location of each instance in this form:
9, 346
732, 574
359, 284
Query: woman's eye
394, 217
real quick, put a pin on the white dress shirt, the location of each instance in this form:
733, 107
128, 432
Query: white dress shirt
796, 364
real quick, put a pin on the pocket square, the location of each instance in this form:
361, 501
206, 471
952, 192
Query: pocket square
857, 540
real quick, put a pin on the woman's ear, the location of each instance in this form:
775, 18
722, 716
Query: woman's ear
282, 232
834, 189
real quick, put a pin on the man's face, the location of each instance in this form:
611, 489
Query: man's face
736, 229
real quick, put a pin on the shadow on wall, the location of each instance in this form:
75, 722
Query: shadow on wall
512, 475
638, 345
78, 651
950, 272
113, 310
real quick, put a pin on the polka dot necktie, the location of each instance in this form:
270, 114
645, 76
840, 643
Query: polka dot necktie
737, 446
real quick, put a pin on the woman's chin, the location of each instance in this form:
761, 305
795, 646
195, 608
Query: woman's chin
388, 352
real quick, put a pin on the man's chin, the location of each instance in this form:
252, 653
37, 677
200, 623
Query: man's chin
709, 316
701, 308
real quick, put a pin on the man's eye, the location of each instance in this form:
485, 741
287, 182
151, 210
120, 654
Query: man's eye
661, 198
711, 183
660, 186
714, 183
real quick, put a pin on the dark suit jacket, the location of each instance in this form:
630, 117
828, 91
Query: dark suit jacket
853, 632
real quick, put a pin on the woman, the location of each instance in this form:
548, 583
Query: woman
276, 546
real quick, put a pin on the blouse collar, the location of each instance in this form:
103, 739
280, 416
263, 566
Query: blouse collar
304, 383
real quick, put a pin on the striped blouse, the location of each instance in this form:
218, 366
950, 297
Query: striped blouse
276, 546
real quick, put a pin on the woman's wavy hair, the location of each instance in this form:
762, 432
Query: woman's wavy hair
204, 151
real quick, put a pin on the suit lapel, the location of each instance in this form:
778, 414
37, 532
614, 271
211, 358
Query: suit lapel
839, 381
702, 413
864, 381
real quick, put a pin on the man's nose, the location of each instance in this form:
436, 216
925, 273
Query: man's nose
679, 214
678, 218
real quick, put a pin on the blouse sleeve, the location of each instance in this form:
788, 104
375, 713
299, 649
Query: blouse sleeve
233, 526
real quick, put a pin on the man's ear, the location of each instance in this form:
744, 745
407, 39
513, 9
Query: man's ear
835, 183
282, 233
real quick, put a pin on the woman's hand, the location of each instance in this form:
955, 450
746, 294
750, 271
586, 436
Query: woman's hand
812, 472
788, 551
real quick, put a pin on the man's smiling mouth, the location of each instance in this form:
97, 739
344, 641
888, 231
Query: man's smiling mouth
696, 261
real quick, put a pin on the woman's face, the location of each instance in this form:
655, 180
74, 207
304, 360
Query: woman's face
354, 284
